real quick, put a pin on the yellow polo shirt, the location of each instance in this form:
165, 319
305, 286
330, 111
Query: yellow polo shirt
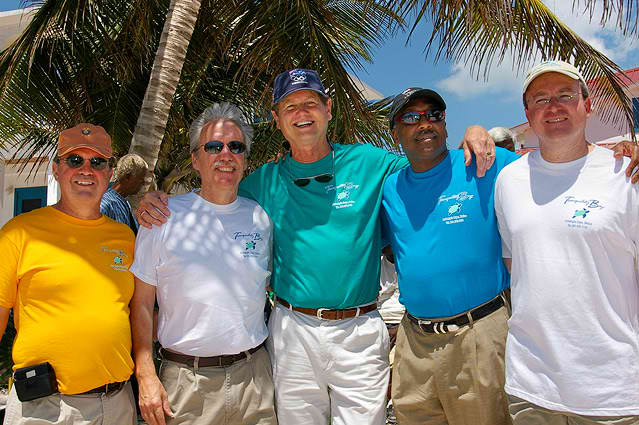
69, 285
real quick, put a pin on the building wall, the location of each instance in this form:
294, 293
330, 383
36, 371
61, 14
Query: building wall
11, 177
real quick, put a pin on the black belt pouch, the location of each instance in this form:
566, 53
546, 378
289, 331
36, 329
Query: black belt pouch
35, 381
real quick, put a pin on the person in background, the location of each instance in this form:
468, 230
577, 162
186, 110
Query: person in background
503, 137
128, 178
392, 312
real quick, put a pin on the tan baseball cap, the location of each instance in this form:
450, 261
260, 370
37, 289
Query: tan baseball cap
554, 66
87, 136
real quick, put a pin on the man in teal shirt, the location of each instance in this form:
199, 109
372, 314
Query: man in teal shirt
328, 344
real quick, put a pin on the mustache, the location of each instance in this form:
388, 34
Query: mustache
224, 163
422, 133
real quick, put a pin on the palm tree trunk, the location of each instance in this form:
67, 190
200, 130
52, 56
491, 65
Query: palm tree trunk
165, 75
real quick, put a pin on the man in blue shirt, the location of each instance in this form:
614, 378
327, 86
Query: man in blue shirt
439, 218
128, 179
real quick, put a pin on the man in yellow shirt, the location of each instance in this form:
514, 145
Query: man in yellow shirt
65, 274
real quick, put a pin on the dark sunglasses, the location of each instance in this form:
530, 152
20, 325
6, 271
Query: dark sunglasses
411, 118
322, 178
215, 146
76, 161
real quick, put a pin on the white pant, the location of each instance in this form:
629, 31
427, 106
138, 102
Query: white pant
323, 369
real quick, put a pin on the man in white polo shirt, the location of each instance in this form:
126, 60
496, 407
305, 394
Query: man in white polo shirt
570, 227
208, 267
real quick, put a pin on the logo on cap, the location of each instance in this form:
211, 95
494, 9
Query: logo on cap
86, 131
297, 76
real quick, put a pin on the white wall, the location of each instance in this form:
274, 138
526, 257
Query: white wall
11, 178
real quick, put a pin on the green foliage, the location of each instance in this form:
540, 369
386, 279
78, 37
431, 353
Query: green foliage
90, 60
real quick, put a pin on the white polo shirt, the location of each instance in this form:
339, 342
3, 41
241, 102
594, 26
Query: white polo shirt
210, 264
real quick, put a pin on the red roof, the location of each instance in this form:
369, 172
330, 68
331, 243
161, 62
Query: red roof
632, 74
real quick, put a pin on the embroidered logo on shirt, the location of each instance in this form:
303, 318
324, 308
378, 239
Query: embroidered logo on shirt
580, 213
343, 194
454, 210
118, 258
249, 241
578, 216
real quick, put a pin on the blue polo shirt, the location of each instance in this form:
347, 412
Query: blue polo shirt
442, 227
326, 236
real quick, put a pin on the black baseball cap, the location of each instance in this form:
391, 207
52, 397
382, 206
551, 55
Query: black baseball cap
294, 80
407, 95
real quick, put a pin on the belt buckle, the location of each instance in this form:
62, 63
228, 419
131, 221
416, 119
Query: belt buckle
421, 323
320, 311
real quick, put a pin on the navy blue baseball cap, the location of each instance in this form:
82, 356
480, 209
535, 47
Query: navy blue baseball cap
294, 80
407, 95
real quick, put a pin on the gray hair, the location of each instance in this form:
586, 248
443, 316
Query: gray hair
503, 137
129, 165
224, 111
500, 134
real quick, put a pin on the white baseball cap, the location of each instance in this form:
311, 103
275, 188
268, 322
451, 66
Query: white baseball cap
554, 66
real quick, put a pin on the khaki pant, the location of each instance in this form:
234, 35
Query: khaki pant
239, 394
456, 378
526, 413
117, 408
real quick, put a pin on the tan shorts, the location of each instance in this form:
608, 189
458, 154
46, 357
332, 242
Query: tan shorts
525, 413
117, 408
239, 394
455, 378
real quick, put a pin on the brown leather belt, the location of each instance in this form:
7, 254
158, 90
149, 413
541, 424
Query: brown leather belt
434, 326
331, 314
224, 360
106, 389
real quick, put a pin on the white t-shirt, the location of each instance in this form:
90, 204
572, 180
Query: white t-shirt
210, 264
388, 303
572, 229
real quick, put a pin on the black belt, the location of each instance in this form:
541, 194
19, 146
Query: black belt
106, 389
435, 326
214, 361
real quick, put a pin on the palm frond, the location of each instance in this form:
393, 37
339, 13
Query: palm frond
479, 33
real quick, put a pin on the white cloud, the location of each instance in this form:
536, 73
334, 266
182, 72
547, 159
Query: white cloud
503, 80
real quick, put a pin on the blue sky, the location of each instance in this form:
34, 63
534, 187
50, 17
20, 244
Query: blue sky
495, 102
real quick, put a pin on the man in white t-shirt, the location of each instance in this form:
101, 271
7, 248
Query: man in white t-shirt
569, 222
208, 267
